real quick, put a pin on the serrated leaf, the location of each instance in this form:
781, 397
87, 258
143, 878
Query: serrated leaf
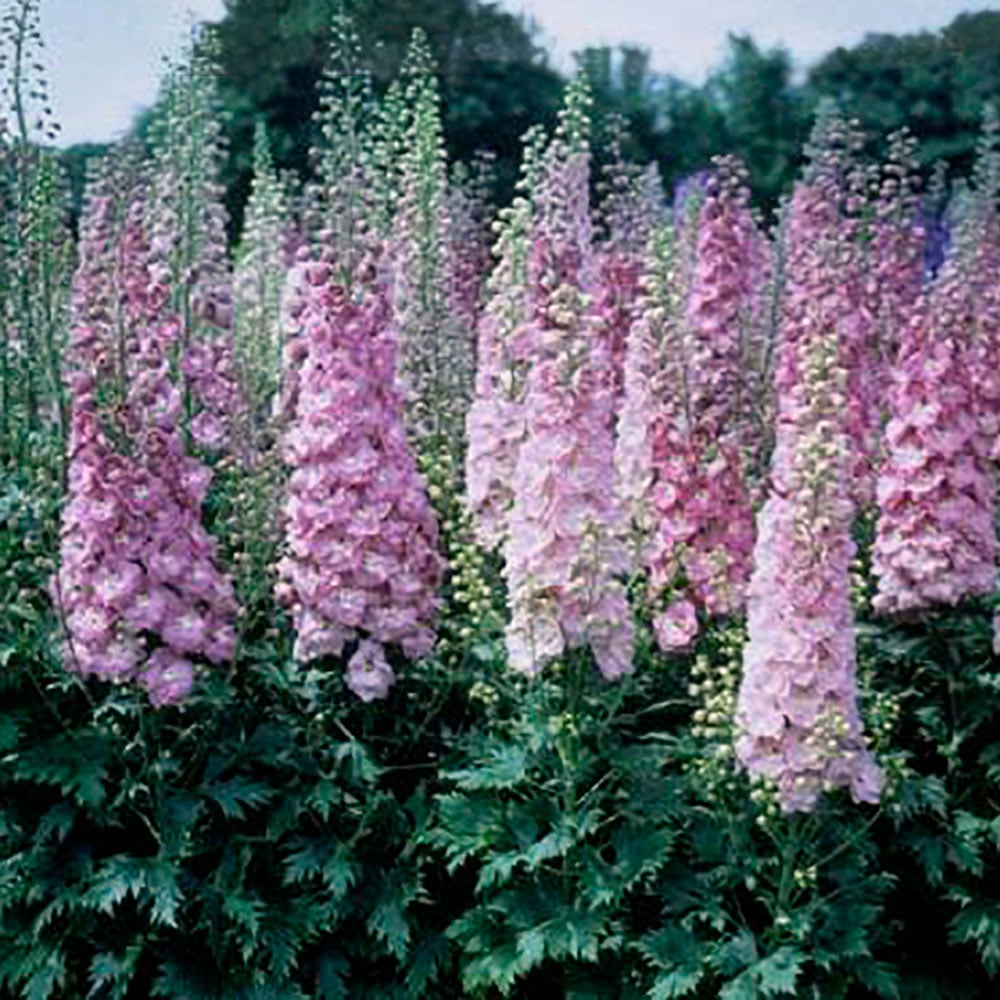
504, 767
47, 979
56, 822
779, 972
735, 954
332, 976
671, 946
161, 882
330, 862
361, 768
389, 925
232, 795
681, 983
979, 923
879, 977
110, 974
427, 960
740, 988
531, 948
245, 910
116, 879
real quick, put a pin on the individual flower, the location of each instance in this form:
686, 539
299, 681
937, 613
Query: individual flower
676, 627
369, 675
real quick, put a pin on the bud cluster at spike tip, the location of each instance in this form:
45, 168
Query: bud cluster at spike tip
361, 559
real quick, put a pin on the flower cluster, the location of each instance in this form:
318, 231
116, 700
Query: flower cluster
797, 716
685, 420
495, 422
936, 541
565, 554
633, 208
361, 560
138, 585
653, 376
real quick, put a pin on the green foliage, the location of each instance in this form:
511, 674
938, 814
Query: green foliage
933, 82
481, 834
495, 79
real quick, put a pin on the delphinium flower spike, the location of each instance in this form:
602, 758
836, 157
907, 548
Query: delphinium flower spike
797, 716
565, 553
361, 562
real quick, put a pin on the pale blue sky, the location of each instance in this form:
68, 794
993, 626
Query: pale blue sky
104, 56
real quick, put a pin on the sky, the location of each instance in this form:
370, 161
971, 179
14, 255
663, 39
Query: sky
687, 38
104, 57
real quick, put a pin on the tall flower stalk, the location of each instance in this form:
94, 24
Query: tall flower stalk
495, 422
139, 589
565, 553
361, 563
188, 221
262, 262
797, 716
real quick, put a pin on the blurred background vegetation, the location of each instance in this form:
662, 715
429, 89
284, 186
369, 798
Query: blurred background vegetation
497, 79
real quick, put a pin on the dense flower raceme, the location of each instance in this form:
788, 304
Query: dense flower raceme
565, 553
495, 421
653, 376
138, 585
797, 717
936, 541
469, 215
686, 421
361, 561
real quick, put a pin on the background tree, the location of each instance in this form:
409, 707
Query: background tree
495, 79
933, 82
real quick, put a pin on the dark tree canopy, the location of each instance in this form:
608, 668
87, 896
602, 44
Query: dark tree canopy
496, 81
934, 82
